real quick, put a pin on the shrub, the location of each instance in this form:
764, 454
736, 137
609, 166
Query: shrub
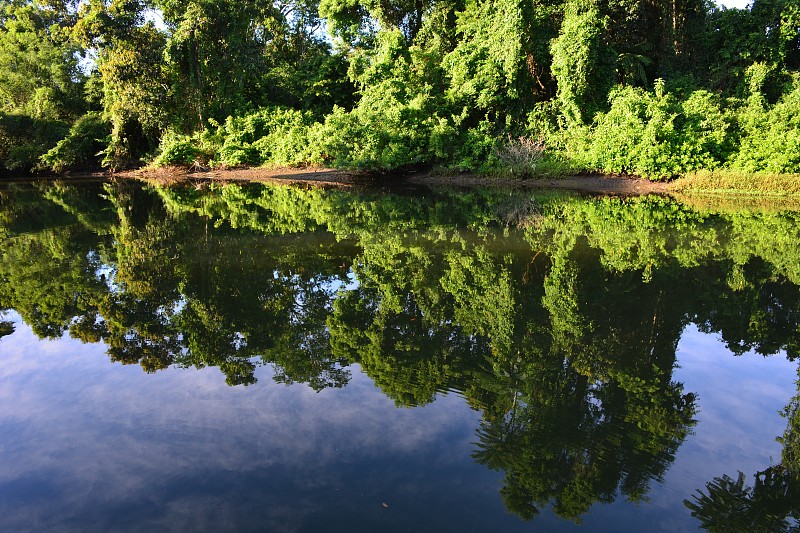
770, 135
704, 133
376, 139
633, 136
656, 135
23, 140
272, 135
520, 156
470, 149
178, 149
81, 147
285, 141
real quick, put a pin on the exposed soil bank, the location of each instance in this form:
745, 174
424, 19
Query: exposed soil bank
585, 183
695, 186
325, 176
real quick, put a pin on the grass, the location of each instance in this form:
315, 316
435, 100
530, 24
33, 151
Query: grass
739, 183
738, 203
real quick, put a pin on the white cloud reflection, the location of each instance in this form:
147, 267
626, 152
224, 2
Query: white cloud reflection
90, 445
91, 436
740, 399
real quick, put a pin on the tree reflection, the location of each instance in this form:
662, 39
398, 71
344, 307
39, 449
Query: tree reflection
6, 328
772, 503
562, 331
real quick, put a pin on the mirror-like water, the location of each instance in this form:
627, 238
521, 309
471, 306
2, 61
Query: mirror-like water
272, 358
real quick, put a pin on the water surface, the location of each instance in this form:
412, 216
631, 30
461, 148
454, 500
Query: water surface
289, 359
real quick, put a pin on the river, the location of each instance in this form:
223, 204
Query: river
215, 357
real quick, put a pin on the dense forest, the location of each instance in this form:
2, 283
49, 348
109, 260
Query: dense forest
656, 88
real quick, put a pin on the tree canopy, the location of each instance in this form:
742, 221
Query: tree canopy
389, 84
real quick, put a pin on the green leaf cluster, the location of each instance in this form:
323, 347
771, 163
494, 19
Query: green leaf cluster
656, 89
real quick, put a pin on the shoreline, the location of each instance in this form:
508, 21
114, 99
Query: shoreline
587, 183
701, 188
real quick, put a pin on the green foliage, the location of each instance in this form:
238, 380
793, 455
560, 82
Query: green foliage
765, 34
269, 136
488, 60
465, 150
433, 83
24, 139
770, 135
134, 78
177, 149
316, 85
392, 124
654, 134
583, 64
81, 147
373, 139
39, 70
41, 85
346, 19
635, 135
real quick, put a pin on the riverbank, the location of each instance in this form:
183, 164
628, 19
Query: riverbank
600, 184
727, 183
720, 185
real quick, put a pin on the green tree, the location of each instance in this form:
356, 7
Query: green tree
583, 62
499, 64
40, 77
135, 82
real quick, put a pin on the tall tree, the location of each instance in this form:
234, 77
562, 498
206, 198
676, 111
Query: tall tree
500, 64
130, 62
583, 61
39, 63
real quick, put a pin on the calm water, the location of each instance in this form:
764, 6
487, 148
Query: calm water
285, 359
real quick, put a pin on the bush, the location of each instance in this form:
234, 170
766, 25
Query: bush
633, 137
375, 139
178, 149
770, 135
705, 137
24, 139
656, 135
272, 135
397, 120
81, 147
474, 149
285, 140
521, 155
461, 150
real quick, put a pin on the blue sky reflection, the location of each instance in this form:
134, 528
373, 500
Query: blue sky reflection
90, 445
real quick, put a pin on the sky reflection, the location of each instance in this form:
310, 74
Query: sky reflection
87, 443
90, 445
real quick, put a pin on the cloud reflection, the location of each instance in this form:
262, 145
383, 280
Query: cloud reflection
736, 396
97, 441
